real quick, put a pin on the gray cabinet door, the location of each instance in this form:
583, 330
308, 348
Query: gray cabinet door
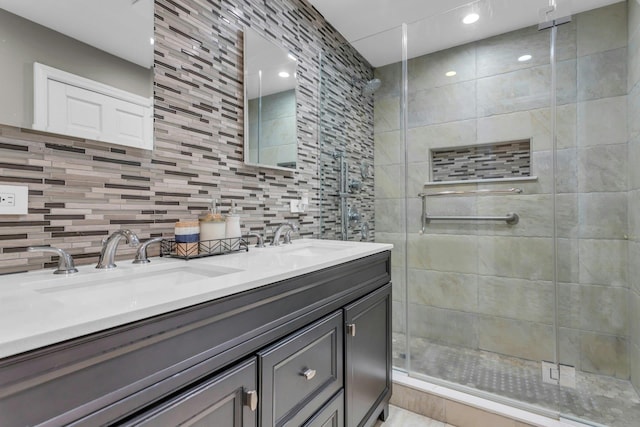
223, 401
368, 358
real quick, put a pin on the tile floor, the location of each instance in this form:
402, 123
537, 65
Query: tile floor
597, 398
399, 417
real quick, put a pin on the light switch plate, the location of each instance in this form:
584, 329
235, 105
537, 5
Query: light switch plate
14, 200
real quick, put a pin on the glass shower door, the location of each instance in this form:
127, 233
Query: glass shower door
481, 294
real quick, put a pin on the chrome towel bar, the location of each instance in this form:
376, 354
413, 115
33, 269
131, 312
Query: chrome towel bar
510, 218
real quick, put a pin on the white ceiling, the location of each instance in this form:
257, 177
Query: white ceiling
373, 27
120, 27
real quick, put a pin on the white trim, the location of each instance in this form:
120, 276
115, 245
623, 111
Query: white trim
42, 74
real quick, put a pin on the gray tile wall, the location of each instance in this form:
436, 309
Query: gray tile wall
81, 191
489, 286
633, 103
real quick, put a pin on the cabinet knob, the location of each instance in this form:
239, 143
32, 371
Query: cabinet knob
251, 400
351, 329
309, 374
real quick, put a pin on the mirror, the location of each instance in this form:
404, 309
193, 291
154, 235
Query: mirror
107, 42
270, 104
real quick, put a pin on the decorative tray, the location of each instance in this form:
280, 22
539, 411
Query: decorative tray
203, 248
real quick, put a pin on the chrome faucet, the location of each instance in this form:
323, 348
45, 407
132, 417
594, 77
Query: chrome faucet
276, 235
65, 261
258, 236
141, 253
110, 244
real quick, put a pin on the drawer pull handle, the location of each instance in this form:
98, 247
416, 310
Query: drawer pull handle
309, 374
351, 329
251, 400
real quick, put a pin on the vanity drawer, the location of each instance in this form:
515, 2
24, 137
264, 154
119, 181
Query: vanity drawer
301, 372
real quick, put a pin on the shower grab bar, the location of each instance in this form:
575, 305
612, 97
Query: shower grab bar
511, 218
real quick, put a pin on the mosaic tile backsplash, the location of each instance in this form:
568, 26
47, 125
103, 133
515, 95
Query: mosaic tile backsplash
486, 161
81, 191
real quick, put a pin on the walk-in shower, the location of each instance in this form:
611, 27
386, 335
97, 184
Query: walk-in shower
542, 312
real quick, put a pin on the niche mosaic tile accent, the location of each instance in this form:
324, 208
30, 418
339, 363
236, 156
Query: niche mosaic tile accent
81, 190
486, 161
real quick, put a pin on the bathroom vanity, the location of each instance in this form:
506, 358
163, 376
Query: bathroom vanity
292, 336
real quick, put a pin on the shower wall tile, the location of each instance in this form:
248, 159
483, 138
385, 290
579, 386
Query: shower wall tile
603, 262
602, 168
569, 309
602, 121
603, 215
388, 148
536, 211
388, 213
389, 181
516, 298
634, 170
602, 75
418, 174
634, 111
568, 259
525, 89
439, 105
569, 347
386, 116
604, 309
635, 365
528, 340
429, 71
516, 257
633, 68
455, 291
602, 29
398, 253
421, 139
604, 354
443, 253
634, 266
522, 125
634, 318
499, 54
444, 326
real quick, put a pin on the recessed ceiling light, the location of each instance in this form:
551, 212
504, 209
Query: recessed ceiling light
450, 73
471, 18
283, 74
525, 58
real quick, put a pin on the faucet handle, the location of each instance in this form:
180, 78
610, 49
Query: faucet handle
65, 260
141, 253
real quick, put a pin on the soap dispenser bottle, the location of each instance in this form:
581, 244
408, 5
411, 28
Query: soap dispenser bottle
232, 227
212, 224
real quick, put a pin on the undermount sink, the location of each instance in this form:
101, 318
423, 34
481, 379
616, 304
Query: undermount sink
75, 288
317, 248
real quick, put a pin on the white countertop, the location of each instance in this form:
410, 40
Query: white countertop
39, 308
